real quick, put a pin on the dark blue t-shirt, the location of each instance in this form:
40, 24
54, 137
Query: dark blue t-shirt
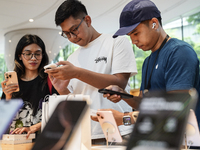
176, 68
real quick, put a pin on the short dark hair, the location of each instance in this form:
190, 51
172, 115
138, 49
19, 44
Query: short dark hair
23, 42
160, 21
146, 22
69, 8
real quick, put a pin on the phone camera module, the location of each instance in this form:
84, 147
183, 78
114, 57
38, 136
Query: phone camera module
6, 76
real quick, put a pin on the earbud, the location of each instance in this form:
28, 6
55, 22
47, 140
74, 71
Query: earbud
153, 25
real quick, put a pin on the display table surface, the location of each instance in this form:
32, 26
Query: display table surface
28, 146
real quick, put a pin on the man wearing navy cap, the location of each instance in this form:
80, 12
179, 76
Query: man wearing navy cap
173, 64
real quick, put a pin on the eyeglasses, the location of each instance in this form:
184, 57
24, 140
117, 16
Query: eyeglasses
74, 32
28, 56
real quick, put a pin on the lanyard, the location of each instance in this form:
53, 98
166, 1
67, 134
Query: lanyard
148, 86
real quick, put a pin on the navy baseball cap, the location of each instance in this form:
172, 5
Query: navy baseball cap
134, 13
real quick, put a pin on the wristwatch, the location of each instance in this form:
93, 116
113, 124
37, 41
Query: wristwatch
126, 119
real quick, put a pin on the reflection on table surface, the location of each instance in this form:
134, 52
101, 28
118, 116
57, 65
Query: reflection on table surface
26, 146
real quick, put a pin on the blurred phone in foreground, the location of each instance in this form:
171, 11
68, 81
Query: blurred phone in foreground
59, 129
8, 110
162, 120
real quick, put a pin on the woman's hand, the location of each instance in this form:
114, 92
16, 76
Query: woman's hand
28, 130
23, 129
8, 89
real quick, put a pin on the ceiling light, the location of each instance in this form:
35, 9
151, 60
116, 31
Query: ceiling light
31, 20
60, 33
9, 41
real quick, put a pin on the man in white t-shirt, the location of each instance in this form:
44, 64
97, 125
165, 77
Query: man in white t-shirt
99, 61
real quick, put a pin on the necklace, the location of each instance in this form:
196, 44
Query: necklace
148, 86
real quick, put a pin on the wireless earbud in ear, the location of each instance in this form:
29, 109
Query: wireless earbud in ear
153, 25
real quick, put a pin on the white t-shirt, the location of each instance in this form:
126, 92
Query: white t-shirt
104, 55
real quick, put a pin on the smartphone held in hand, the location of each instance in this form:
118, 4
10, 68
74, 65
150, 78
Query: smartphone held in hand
11, 76
123, 95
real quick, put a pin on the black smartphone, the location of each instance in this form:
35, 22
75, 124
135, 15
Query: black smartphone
61, 125
123, 95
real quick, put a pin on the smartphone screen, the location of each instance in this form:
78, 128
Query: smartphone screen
60, 126
161, 122
123, 95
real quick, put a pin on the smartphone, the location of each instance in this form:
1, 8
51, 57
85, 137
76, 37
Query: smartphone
61, 125
162, 120
123, 95
50, 66
11, 76
109, 126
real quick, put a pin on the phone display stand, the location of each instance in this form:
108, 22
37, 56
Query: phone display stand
109, 129
192, 135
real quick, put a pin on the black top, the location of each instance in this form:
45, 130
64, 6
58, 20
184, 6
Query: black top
32, 93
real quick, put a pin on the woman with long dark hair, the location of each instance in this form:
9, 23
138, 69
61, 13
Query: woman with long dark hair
30, 59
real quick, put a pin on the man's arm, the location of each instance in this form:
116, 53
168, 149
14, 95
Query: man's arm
133, 102
119, 116
68, 71
99, 80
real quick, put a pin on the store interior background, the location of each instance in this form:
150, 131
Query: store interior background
180, 18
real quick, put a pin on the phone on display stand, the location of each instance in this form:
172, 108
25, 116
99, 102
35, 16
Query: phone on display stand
11, 76
109, 126
123, 95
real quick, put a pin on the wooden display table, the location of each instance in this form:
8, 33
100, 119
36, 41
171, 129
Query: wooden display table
26, 146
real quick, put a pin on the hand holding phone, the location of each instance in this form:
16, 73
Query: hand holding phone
50, 66
11, 76
123, 95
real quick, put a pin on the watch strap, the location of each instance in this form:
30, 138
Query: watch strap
126, 113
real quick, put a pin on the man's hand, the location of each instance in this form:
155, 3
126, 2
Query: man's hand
114, 98
60, 85
66, 71
133, 102
116, 114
